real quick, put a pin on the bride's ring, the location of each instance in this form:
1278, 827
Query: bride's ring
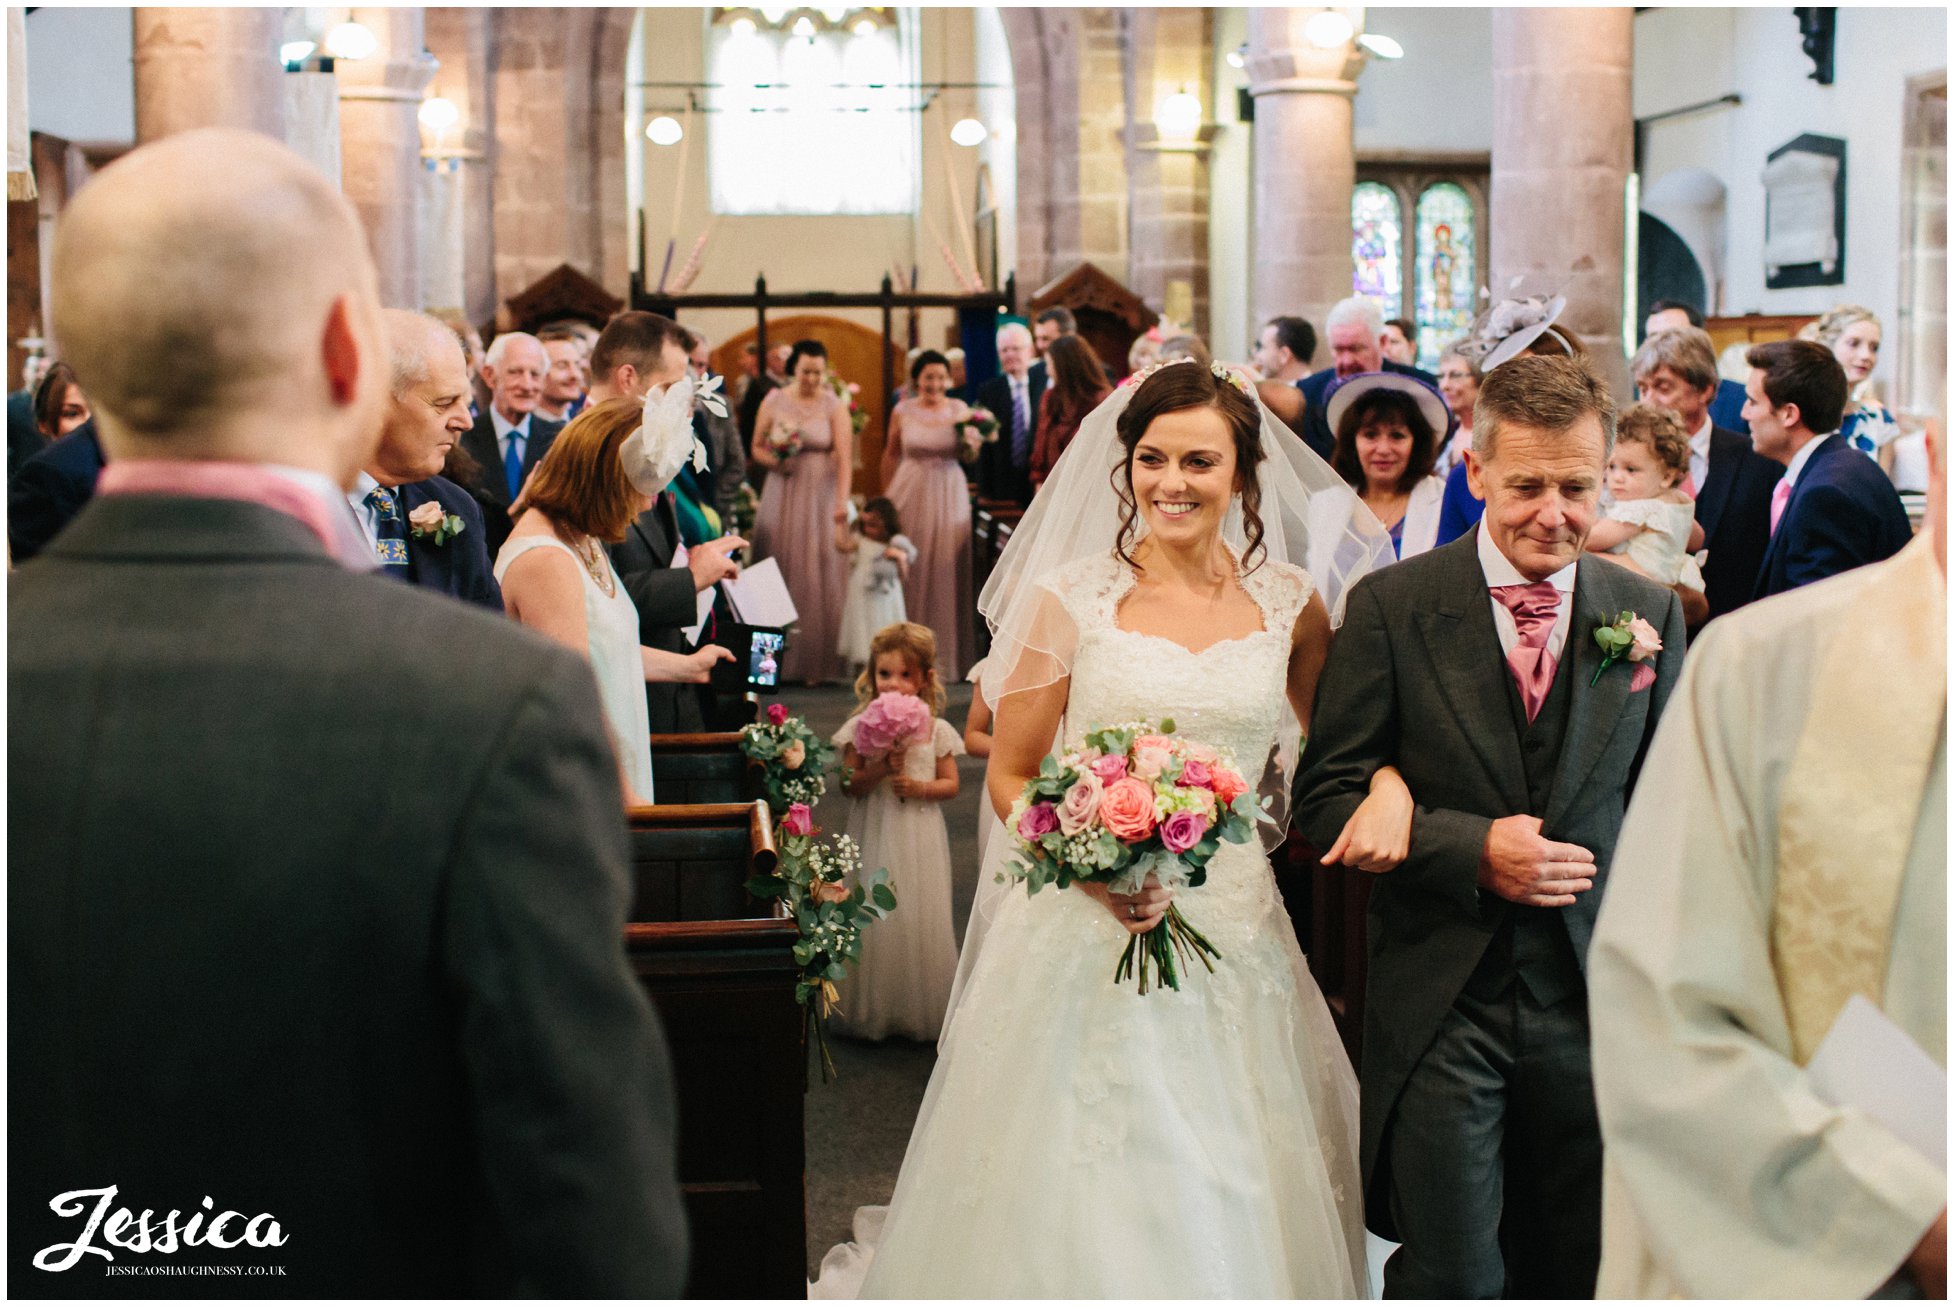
1132, 912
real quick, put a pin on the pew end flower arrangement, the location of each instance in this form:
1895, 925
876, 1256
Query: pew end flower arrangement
1134, 802
810, 874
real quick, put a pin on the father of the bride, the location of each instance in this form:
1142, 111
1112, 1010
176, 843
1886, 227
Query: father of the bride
1476, 671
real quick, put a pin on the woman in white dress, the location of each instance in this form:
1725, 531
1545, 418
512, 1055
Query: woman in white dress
1079, 1140
557, 578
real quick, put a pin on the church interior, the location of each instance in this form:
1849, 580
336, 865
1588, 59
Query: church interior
888, 180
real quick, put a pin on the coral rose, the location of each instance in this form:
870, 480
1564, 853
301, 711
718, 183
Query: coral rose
1228, 784
793, 755
1126, 810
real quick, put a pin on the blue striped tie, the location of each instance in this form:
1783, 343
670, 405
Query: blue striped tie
390, 531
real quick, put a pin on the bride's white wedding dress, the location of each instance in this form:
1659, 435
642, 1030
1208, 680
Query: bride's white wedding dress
1081, 1141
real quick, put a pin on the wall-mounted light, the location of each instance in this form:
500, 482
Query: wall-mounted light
438, 115
1380, 45
1179, 116
294, 53
351, 41
1238, 57
1328, 29
969, 132
664, 130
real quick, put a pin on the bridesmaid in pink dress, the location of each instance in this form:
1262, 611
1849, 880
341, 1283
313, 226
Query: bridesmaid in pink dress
926, 483
805, 496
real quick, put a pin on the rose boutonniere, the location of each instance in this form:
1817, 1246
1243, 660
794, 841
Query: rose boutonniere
1633, 639
434, 524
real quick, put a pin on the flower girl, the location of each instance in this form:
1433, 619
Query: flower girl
881, 559
1649, 526
900, 765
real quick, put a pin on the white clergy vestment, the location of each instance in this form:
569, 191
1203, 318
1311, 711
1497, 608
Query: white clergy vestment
1725, 1175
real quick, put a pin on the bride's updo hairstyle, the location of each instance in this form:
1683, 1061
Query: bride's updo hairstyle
1170, 388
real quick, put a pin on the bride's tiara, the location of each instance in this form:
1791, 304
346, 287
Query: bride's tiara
1221, 371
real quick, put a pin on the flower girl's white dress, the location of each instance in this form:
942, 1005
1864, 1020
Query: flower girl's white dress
901, 984
1081, 1141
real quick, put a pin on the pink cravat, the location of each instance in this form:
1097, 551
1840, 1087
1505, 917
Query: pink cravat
1780, 496
1534, 608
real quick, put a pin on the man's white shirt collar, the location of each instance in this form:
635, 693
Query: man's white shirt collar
503, 426
1802, 457
1499, 570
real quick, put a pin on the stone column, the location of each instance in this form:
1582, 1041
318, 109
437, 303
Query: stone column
1305, 166
380, 146
1167, 51
208, 68
462, 39
1563, 144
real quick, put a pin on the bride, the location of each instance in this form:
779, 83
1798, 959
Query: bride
1079, 1140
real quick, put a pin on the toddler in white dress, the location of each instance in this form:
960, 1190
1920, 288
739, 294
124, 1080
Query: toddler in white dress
1648, 527
880, 556
901, 985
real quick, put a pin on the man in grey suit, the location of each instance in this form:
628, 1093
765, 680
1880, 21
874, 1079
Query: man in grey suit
317, 882
1474, 669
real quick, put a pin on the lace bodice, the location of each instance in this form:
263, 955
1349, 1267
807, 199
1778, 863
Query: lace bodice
1229, 695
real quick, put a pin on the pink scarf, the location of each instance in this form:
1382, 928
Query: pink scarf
214, 479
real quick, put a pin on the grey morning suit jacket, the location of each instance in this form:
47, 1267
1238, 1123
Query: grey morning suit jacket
1416, 678
317, 887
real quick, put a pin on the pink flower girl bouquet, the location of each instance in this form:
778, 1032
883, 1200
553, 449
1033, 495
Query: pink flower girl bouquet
889, 720
1134, 802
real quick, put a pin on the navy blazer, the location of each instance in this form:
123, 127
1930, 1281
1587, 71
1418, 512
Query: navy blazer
1727, 409
1733, 506
997, 477
459, 565
1316, 426
491, 487
1843, 513
50, 489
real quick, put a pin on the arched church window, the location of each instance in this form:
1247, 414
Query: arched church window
1376, 238
1446, 274
810, 116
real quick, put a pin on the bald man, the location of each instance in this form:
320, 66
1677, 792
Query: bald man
423, 527
317, 882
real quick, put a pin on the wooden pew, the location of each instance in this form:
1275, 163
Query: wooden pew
719, 967
702, 767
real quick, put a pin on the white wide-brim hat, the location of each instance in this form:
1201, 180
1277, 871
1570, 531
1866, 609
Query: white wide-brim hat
1351, 389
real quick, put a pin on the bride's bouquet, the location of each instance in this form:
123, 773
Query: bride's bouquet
1134, 802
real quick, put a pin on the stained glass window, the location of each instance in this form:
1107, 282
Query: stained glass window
1376, 237
1446, 277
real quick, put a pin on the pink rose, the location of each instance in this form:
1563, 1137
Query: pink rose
1201, 753
776, 714
430, 516
1108, 769
1647, 643
1126, 809
1150, 754
1080, 804
1183, 831
1196, 773
793, 755
1039, 819
799, 820
1228, 785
